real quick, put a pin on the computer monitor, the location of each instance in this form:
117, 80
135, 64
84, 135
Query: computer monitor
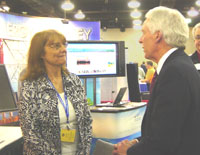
96, 58
117, 101
119, 96
7, 100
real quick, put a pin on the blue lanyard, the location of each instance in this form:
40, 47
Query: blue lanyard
66, 107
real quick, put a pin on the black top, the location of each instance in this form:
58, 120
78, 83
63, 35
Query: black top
195, 58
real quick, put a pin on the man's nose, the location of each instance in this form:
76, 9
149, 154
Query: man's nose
140, 40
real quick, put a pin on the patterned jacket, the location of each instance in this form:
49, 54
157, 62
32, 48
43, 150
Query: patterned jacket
39, 116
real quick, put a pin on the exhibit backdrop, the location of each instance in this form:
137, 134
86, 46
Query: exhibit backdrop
16, 32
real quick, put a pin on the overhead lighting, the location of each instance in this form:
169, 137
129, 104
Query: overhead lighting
67, 5
24, 13
192, 12
137, 22
198, 2
188, 20
104, 28
4, 7
133, 4
79, 15
136, 14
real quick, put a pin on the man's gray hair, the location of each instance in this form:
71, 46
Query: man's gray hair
197, 26
171, 23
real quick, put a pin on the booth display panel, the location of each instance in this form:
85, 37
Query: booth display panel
114, 124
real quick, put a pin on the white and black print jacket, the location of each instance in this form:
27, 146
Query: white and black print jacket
39, 116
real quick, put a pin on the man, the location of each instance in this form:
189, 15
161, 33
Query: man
171, 124
143, 66
150, 72
196, 55
141, 73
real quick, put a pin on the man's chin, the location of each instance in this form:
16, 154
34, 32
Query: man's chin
61, 63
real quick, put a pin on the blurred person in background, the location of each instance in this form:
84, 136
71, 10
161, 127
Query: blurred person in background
149, 74
141, 73
196, 55
143, 66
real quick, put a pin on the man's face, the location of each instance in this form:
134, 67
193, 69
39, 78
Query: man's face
197, 39
148, 42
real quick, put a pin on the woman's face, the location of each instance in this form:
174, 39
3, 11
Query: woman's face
55, 53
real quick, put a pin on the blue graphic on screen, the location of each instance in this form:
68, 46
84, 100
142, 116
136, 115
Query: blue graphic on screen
92, 58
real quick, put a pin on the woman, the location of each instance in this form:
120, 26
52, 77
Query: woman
54, 114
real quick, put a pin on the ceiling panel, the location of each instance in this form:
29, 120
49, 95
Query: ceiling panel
111, 13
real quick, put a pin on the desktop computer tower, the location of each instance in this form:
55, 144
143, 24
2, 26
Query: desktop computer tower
133, 84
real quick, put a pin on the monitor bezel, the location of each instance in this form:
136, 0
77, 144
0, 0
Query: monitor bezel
3, 66
120, 58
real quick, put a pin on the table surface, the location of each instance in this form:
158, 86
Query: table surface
9, 135
126, 107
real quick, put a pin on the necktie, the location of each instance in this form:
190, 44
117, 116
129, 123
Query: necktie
153, 81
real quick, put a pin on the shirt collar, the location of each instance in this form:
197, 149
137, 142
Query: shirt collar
164, 58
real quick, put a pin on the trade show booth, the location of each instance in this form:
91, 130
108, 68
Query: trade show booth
111, 124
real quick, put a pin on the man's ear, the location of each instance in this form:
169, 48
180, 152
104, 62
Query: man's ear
158, 36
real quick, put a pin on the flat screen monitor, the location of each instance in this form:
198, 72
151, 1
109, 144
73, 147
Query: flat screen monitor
7, 100
96, 58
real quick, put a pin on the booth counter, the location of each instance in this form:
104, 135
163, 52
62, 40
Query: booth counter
111, 124
114, 124
11, 140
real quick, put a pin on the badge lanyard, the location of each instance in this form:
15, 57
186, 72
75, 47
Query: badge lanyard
65, 105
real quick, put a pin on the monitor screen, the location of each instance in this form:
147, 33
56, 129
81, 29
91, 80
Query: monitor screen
7, 100
96, 58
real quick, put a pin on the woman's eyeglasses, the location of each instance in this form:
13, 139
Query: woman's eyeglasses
197, 37
57, 46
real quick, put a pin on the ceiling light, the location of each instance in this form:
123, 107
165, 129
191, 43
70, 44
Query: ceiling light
133, 4
104, 28
4, 7
79, 15
198, 2
67, 5
136, 14
24, 12
137, 22
188, 20
192, 12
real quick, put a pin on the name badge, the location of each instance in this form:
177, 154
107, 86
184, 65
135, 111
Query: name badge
68, 135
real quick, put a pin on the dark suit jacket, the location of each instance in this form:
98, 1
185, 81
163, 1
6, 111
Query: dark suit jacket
171, 124
195, 58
